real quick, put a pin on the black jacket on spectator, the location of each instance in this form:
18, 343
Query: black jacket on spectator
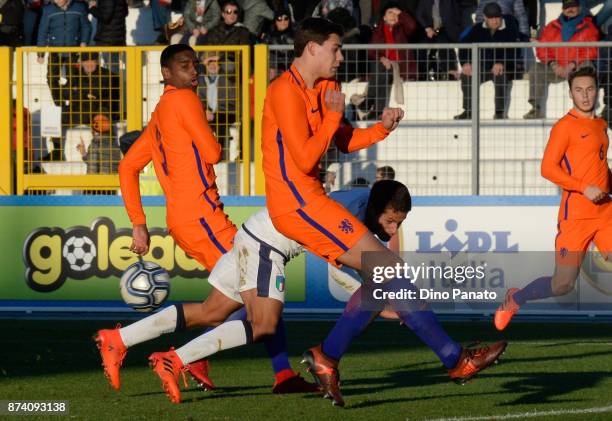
223, 34
87, 94
479, 33
449, 12
11, 22
111, 16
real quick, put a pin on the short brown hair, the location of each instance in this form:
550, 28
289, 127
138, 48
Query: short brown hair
588, 71
316, 30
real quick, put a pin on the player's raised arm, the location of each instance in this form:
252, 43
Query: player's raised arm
554, 160
305, 149
349, 139
192, 116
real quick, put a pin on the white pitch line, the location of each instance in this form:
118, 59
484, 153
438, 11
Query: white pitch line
532, 414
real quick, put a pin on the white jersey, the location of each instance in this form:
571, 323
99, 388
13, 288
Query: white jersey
260, 226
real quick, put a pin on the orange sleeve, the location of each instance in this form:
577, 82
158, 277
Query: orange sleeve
130, 166
349, 139
292, 119
192, 116
554, 154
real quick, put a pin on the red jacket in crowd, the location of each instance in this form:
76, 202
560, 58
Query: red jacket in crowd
401, 33
585, 31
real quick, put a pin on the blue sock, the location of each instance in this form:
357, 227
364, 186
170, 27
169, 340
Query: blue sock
277, 349
426, 326
424, 323
350, 325
537, 290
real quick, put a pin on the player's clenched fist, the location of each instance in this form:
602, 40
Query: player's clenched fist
594, 194
334, 101
391, 118
140, 240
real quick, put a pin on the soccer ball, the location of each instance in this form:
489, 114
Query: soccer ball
79, 252
145, 286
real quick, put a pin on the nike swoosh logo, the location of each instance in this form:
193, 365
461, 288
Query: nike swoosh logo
584, 135
314, 110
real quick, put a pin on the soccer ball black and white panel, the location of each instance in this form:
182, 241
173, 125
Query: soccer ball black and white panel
145, 286
79, 252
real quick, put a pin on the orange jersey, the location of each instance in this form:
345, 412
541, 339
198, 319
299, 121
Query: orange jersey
576, 157
183, 149
297, 131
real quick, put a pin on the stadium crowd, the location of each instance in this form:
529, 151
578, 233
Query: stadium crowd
74, 23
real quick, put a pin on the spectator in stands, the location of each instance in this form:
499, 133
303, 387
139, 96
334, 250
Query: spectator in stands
254, 14
110, 15
301, 9
604, 20
281, 33
468, 8
64, 23
230, 31
103, 154
199, 17
11, 23
385, 173
31, 20
390, 65
323, 8
555, 64
355, 64
441, 20
89, 90
356, 183
161, 13
514, 8
218, 94
497, 64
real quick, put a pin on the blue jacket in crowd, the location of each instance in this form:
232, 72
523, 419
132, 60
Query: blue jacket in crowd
64, 28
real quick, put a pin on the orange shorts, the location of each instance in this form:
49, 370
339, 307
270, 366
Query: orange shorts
198, 240
323, 227
574, 236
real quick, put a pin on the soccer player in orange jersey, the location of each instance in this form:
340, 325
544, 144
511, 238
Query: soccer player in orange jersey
183, 149
302, 115
575, 159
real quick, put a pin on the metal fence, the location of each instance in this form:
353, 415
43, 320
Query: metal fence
481, 133
457, 137
76, 103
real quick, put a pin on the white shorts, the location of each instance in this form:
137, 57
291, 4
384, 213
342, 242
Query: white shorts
250, 264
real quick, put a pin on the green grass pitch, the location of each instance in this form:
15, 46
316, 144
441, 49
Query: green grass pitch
549, 371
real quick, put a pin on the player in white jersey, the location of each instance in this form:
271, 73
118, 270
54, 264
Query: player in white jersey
253, 274
256, 262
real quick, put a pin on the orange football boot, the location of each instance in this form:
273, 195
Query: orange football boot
112, 351
507, 310
473, 360
168, 366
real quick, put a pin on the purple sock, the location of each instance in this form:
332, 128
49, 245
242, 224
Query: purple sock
350, 325
426, 326
537, 290
424, 323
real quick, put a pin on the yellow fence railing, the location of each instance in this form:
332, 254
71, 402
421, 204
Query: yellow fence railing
6, 135
73, 104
